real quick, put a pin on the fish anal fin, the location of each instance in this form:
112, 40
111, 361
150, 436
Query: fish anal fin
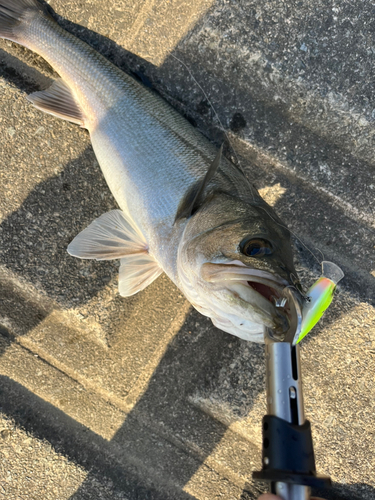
58, 100
194, 197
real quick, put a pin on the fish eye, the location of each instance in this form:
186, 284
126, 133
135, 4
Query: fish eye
256, 247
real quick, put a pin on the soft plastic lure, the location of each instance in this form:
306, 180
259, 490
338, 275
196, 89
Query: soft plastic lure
320, 296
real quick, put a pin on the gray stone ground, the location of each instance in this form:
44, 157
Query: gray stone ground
142, 398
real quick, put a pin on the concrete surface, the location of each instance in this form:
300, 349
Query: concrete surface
142, 398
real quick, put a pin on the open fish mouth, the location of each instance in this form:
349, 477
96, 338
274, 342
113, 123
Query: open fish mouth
260, 289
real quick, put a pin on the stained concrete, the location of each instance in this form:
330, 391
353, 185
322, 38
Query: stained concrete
104, 397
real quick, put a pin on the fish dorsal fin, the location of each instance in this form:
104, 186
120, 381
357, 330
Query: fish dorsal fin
59, 101
193, 199
113, 236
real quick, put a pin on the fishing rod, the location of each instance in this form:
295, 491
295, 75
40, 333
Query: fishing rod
287, 452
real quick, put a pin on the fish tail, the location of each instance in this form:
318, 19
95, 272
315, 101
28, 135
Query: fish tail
16, 16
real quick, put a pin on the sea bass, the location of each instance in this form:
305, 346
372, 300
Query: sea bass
184, 208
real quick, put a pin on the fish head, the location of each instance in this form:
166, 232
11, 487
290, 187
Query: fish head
234, 264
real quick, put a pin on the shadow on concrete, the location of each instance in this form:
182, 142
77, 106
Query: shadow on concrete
346, 492
70, 438
164, 436
137, 444
19, 310
337, 492
34, 238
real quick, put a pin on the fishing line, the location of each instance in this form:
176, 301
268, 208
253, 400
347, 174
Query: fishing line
319, 296
218, 119
239, 163
297, 237
210, 103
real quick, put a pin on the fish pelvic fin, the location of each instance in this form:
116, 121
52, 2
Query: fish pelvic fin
58, 100
194, 198
136, 273
15, 16
113, 236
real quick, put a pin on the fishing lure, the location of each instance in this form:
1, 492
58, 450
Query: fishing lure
319, 297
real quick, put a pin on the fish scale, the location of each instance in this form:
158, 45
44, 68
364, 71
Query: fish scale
94, 80
133, 132
183, 205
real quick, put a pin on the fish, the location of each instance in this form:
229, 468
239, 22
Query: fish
184, 208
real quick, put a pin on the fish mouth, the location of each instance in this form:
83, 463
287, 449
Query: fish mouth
262, 290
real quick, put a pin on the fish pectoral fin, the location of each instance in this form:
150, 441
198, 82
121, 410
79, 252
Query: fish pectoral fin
110, 236
114, 236
59, 101
136, 273
194, 198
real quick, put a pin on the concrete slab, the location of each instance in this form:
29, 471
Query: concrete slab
143, 398
27, 461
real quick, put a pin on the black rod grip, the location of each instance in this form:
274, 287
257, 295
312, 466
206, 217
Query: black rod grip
288, 454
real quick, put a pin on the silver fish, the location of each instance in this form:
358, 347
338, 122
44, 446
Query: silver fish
184, 208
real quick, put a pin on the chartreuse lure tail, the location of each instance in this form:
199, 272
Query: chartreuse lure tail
320, 296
